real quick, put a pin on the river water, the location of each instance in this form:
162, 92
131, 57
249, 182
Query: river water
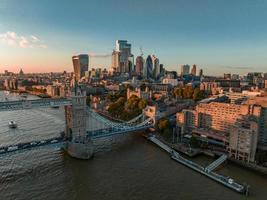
124, 167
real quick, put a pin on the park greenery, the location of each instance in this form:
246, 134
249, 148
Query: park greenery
124, 109
188, 92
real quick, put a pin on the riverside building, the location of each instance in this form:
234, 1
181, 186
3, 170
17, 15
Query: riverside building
234, 127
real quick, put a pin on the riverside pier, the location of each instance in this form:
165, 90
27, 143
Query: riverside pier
207, 171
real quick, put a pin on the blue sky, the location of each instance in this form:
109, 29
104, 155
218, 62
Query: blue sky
217, 35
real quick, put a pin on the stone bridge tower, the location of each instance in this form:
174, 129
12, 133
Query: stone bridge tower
152, 112
78, 144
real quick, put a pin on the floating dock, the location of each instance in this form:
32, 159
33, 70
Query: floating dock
207, 171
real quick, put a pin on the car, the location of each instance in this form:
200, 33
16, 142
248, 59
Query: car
53, 141
13, 148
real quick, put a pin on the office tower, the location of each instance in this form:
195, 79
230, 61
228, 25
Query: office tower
156, 67
139, 65
201, 72
122, 59
185, 69
227, 76
152, 67
161, 69
80, 64
130, 64
148, 69
194, 70
115, 64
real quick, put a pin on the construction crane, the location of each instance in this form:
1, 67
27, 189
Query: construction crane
141, 51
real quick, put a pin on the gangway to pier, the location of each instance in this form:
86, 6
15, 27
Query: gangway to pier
160, 144
216, 163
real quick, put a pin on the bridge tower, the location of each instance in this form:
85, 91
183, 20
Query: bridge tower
152, 112
78, 144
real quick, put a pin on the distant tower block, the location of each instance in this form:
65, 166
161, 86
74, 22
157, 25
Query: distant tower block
194, 70
78, 144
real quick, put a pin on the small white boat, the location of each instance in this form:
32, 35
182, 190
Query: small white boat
12, 124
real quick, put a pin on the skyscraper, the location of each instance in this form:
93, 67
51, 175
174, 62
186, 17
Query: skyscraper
152, 67
185, 69
80, 65
161, 68
156, 67
201, 72
148, 69
115, 64
139, 65
194, 70
122, 59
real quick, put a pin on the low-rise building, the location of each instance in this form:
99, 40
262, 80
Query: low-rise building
147, 94
209, 87
171, 81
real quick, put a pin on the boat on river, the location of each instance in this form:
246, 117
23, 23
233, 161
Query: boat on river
12, 124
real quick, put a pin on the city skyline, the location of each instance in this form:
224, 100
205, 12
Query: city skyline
133, 99
216, 36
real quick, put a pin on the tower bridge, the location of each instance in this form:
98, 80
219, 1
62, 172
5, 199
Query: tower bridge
77, 138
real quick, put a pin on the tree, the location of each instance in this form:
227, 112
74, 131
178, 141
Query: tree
198, 94
188, 92
163, 124
178, 92
142, 104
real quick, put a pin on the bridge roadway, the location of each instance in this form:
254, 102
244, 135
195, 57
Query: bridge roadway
29, 104
60, 139
30, 145
116, 131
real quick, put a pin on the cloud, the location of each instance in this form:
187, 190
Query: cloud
35, 39
236, 67
23, 43
13, 39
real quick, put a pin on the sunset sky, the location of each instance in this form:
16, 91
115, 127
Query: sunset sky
217, 35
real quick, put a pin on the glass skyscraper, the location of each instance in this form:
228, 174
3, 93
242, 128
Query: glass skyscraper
80, 65
124, 61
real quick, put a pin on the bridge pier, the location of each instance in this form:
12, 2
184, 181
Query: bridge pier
83, 150
78, 144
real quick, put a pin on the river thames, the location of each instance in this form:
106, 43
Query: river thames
124, 167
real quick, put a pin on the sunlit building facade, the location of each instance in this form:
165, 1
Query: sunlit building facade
139, 65
80, 65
